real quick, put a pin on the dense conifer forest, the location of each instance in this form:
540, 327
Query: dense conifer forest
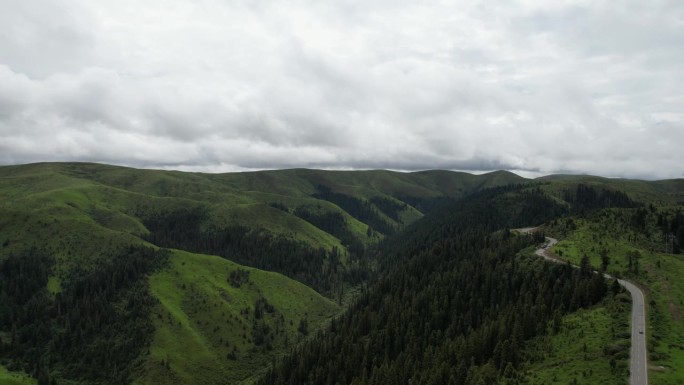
363, 210
455, 307
93, 329
317, 267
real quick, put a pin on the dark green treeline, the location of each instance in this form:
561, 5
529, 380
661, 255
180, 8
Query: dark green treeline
456, 307
92, 330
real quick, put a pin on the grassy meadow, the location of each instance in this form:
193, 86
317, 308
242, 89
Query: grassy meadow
591, 347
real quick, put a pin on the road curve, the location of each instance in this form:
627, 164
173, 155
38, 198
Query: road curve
638, 370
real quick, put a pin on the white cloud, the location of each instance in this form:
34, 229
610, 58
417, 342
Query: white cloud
540, 87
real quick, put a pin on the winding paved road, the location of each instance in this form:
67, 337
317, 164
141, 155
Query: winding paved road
637, 367
638, 370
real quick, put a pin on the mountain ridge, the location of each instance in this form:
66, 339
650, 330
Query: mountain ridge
313, 230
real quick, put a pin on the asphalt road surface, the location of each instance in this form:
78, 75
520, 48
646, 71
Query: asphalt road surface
638, 370
637, 366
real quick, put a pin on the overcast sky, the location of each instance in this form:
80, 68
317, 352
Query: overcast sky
535, 87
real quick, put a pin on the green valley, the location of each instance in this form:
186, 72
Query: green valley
118, 275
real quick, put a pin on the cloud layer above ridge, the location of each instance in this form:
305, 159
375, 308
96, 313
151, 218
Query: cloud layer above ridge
209, 85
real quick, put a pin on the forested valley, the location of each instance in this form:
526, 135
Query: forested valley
110, 276
456, 306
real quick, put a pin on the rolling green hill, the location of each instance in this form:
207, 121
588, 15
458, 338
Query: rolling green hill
210, 328
55, 202
258, 261
78, 213
662, 192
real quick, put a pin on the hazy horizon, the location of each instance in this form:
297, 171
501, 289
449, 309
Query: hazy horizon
524, 174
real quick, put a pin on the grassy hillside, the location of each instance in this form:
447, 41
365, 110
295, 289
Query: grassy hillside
663, 192
79, 220
211, 329
235, 197
635, 249
79, 212
59, 203
15, 378
590, 347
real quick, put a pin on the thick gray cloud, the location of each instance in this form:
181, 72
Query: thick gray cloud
213, 85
